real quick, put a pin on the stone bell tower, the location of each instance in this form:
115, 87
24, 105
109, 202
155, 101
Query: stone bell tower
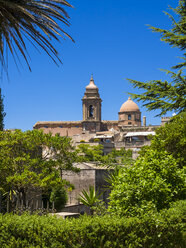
91, 108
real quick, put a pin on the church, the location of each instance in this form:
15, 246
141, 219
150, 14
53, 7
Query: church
128, 131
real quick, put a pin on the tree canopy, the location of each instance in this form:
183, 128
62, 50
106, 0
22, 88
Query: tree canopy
163, 95
151, 184
176, 36
36, 21
172, 139
88, 153
157, 177
33, 161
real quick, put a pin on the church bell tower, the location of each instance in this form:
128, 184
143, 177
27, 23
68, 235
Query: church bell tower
91, 108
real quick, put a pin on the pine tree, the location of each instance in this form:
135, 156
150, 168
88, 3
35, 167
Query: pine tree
163, 95
2, 113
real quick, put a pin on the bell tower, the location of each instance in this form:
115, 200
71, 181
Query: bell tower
91, 108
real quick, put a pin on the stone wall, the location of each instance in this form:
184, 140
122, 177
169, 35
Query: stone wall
81, 180
89, 174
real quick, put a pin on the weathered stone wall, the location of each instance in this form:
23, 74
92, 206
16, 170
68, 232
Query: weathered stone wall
89, 174
81, 180
101, 184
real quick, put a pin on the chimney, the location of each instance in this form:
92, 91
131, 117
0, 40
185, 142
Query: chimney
144, 121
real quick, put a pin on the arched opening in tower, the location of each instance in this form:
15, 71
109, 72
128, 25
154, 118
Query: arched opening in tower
91, 111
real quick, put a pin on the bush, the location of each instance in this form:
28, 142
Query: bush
151, 184
165, 229
59, 197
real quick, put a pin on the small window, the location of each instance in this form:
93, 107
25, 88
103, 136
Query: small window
91, 111
129, 117
129, 123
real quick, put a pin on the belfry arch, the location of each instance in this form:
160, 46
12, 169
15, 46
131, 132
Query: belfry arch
91, 107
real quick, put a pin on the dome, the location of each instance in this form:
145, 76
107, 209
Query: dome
91, 85
128, 106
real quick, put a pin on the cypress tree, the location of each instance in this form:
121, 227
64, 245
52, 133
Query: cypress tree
2, 113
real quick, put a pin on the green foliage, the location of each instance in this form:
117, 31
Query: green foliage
151, 231
122, 156
87, 153
32, 161
89, 198
2, 113
163, 95
112, 177
151, 184
34, 21
172, 138
157, 178
99, 208
59, 197
176, 36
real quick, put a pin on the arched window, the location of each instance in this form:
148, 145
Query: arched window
91, 111
129, 117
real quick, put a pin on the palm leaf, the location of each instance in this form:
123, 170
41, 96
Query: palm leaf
33, 20
89, 198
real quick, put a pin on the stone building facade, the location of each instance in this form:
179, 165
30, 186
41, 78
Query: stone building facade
92, 127
128, 131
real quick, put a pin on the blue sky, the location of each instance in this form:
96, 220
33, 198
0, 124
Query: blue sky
112, 41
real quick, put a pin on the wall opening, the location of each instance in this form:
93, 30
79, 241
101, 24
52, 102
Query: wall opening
129, 117
91, 111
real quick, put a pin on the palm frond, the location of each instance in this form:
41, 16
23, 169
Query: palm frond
89, 198
34, 20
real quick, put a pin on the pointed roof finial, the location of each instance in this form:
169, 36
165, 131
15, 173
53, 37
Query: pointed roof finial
129, 98
91, 84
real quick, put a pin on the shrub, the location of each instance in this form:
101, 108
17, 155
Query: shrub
152, 183
59, 197
165, 229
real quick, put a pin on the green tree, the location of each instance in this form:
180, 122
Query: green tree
163, 95
32, 161
59, 197
35, 21
112, 177
157, 178
176, 36
87, 153
2, 113
151, 184
171, 138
